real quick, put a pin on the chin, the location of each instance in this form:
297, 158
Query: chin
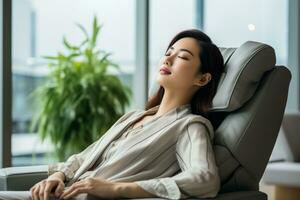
161, 80
165, 83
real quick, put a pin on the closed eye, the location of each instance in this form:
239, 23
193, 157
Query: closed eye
184, 58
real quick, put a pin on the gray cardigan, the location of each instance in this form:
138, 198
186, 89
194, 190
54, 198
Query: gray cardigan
171, 157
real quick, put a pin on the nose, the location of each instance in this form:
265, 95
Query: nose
167, 61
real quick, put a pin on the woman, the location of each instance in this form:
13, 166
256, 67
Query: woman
162, 151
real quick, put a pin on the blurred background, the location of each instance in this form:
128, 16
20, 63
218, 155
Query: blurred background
136, 33
39, 25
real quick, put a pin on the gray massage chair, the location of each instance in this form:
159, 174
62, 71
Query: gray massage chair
247, 112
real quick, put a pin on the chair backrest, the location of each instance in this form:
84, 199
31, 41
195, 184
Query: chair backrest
247, 112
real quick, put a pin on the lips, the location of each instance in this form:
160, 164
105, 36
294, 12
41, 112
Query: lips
165, 70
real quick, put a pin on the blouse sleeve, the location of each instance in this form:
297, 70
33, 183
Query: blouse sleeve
199, 175
72, 164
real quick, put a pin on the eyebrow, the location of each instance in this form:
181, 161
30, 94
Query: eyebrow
184, 50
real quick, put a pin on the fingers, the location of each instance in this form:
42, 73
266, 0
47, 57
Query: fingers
74, 192
75, 189
49, 185
32, 190
41, 191
67, 192
59, 190
35, 192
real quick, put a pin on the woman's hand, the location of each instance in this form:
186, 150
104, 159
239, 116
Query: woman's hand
42, 190
94, 186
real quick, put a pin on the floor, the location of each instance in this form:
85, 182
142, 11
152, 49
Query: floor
268, 189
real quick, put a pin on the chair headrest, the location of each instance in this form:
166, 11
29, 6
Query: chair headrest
244, 67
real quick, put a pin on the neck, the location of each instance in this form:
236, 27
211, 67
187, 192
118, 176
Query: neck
172, 100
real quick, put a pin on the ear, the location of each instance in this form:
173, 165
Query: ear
202, 79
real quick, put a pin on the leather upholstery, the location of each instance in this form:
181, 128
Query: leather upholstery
249, 133
244, 67
21, 178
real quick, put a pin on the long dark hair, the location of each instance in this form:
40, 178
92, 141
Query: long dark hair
212, 62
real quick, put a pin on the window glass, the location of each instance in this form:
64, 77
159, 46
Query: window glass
38, 30
230, 23
167, 18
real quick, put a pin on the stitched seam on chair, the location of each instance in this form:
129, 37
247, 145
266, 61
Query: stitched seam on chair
230, 175
227, 60
243, 68
230, 153
243, 168
240, 138
227, 160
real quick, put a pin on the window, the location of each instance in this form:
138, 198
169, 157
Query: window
38, 29
38, 32
167, 18
231, 23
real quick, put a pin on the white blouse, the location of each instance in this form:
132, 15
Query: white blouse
113, 146
170, 157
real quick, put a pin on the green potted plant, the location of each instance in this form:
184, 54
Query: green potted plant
81, 98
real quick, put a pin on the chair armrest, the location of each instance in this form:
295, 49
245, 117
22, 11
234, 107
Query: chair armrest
21, 178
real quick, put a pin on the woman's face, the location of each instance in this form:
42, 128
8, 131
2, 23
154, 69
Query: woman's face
179, 67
